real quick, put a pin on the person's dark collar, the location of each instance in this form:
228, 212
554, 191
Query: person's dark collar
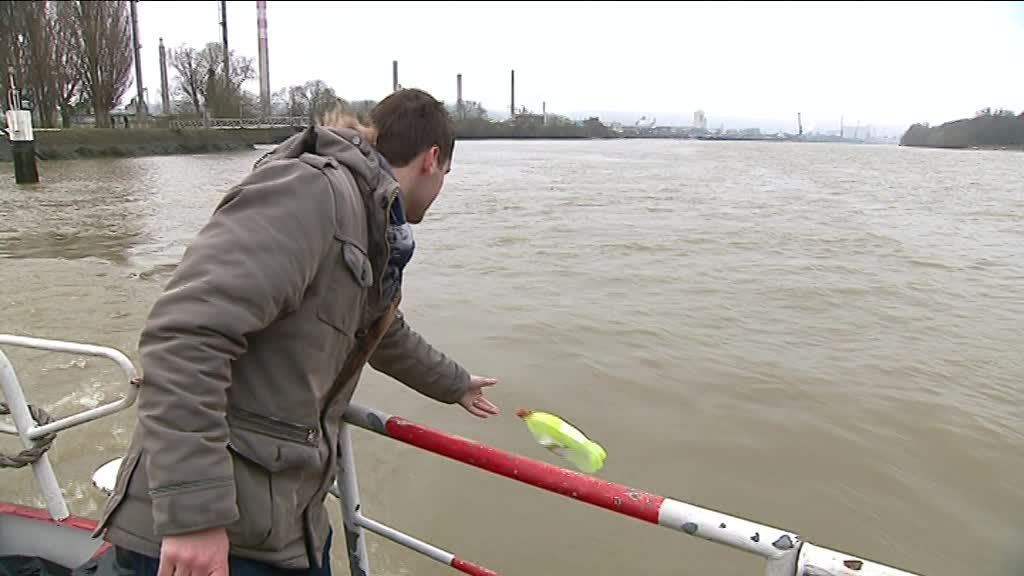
386, 166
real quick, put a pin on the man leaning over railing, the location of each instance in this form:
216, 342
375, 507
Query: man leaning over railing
253, 351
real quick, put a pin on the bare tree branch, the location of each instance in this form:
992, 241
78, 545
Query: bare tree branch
107, 54
186, 62
8, 44
201, 79
312, 99
224, 95
35, 25
67, 57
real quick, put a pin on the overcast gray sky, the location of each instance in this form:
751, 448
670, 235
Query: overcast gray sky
877, 63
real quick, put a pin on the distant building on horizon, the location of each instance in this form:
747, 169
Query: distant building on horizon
700, 121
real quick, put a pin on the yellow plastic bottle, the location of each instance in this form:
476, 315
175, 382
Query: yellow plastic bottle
563, 439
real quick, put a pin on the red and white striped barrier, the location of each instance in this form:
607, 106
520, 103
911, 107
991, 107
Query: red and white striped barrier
786, 552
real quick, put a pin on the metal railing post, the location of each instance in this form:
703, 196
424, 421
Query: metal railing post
355, 538
23, 422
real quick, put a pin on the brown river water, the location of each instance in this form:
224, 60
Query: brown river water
824, 338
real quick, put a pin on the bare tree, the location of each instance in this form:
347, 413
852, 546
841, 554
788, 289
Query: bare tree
279, 105
321, 98
202, 83
42, 41
187, 63
67, 57
224, 94
24, 37
312, 99
107, 54
34, 23
297, 101
8, 42
249, 104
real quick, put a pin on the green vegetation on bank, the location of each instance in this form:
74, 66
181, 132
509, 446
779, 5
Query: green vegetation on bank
988, 129
100, 142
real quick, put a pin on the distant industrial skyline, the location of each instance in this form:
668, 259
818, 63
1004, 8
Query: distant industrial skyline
743, 64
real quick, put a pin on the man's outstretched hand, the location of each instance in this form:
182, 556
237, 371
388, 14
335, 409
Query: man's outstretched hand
473, 400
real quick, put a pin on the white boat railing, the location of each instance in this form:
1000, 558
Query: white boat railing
31, 433
786, 553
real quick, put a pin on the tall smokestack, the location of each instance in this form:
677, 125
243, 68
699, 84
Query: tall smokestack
458, 98
544, 112
165, 93
224, 33
799, 124
394, 75
140, 102
512, 106
261, 34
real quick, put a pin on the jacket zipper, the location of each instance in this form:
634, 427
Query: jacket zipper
387, 242
274, 427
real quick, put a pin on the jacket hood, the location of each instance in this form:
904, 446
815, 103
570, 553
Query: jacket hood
344, 146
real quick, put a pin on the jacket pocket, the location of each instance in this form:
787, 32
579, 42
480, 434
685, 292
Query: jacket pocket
241, 419
255, 511
276, 463
351, 274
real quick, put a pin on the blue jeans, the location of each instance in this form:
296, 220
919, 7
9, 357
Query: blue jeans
148, 566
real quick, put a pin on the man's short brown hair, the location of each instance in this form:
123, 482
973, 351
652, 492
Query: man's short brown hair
409, 122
